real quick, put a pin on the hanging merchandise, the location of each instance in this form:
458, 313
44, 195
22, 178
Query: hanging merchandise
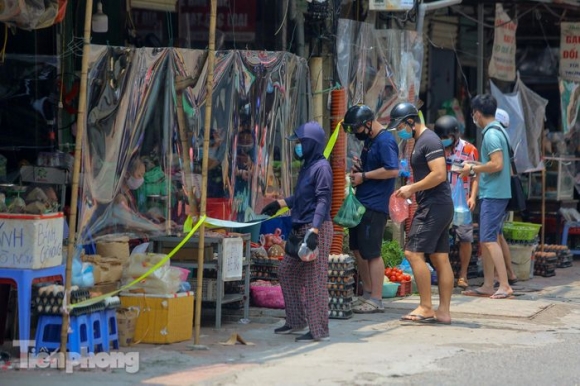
351, 211
461, 212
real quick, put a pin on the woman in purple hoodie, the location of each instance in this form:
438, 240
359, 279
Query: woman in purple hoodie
304, 284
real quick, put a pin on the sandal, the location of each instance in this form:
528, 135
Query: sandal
462, 283
367, 307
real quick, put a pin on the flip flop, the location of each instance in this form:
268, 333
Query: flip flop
416, 318
475, 292
501, 295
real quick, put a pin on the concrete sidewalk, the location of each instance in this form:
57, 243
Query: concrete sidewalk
543, 315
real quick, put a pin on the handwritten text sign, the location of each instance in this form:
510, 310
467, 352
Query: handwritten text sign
569, 51
233, 258
31, 242
503, 58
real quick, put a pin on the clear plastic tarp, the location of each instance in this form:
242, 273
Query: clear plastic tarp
379, 68
526, 110
133, 158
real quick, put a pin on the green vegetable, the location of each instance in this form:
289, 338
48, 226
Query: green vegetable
392, 253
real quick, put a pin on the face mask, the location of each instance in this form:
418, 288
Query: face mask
447, 142
361, 136
474, 120
298, 152
134, 183
405, 134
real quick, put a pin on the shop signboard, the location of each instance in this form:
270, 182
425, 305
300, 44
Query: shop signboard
502, 65
235, 19
570, 51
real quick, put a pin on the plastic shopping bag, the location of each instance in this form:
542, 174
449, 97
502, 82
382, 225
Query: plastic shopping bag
398, 209
461, 212
351, 211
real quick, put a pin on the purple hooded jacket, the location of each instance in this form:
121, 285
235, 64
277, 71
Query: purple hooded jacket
310, 202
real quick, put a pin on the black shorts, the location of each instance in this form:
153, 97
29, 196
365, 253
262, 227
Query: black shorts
367, 237
429, 231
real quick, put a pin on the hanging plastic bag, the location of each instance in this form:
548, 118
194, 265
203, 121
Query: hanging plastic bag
398, 209
461, 212
351, 211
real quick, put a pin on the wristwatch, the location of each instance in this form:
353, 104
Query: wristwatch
471, 171
364, 177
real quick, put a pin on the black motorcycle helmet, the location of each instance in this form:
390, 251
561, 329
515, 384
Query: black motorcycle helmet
356, 117
402, 111
447, 126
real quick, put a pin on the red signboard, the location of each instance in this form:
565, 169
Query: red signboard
235, 18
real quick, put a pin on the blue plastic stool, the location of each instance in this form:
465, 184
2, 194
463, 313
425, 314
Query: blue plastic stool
110, 334
97, 331
24, 279
48, 333
575, 227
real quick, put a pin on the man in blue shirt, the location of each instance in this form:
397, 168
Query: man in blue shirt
373, 176
494, 193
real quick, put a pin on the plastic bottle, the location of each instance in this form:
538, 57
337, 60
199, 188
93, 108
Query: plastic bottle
305, 253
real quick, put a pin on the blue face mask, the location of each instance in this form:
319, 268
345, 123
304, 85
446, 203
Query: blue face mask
298, 151
447, 142
404, 134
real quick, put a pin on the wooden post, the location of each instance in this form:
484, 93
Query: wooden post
81, 127
206, 134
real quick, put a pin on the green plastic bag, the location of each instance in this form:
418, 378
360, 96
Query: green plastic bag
351, 211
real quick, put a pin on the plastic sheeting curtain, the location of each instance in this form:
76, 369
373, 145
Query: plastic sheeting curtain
258, 99
526, 110
379, 68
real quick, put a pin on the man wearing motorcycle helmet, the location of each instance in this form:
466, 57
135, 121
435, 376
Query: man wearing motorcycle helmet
457, 151
373, 176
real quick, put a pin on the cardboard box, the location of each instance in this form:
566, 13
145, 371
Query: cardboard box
31, 241
162, 318
189, 254
127, 325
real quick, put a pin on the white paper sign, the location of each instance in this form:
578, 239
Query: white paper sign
570, 51
233, 258
503, 58
31, 241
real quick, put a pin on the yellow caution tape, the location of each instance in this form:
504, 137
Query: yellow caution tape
97, 299
332, 140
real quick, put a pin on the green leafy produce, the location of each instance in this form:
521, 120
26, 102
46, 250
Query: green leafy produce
392, 253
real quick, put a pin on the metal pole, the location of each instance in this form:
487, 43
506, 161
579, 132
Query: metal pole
206, 133
81, 123
480, 53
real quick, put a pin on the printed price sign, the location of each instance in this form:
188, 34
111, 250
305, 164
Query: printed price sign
503, 60
233, 258
569, 48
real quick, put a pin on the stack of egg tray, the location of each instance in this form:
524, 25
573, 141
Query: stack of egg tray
340, 286
264, 269
545, 263
50, 302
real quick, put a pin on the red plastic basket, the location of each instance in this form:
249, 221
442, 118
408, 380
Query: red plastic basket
405, 289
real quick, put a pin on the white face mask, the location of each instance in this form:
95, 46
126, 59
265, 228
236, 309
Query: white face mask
134, 183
